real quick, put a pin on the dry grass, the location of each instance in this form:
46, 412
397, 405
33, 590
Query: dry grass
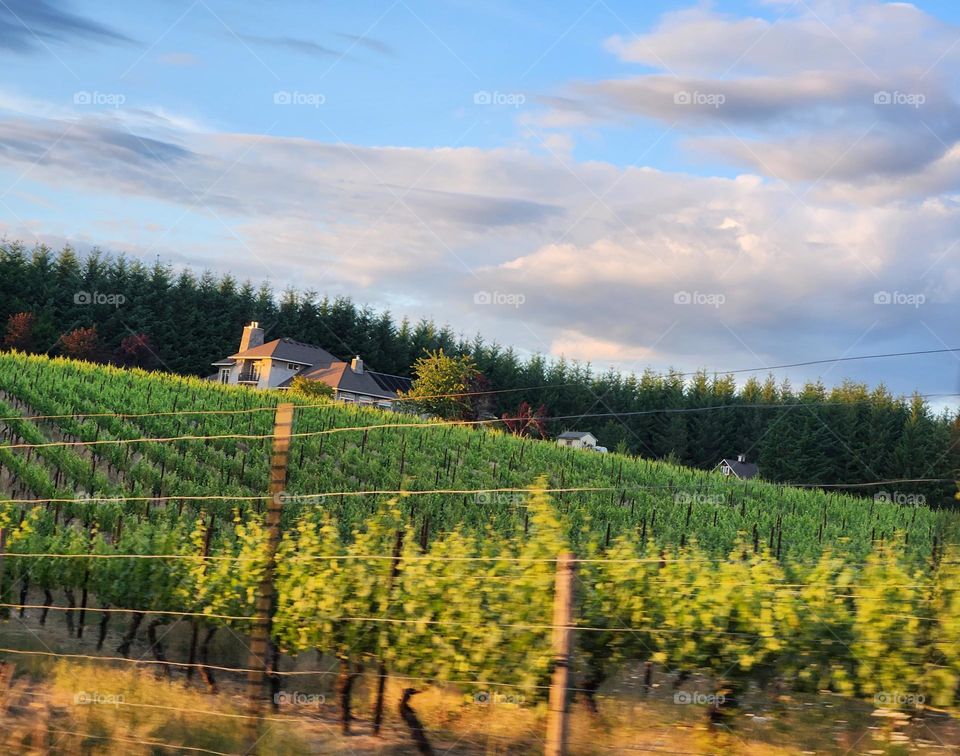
66, 708
94, 709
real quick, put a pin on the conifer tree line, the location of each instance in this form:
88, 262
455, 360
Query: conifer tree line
116, 309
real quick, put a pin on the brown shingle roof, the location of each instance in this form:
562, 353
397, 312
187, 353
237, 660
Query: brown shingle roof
289, 350
342, 378
323, 366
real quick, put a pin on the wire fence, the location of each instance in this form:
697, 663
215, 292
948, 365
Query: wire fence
421, 425
842, 592
807, 363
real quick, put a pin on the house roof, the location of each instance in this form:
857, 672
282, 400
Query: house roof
576, 434
388, 382
341, 377
288, 350
742, 470
320, 365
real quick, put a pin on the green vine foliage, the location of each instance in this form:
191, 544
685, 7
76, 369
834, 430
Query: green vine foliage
841, 593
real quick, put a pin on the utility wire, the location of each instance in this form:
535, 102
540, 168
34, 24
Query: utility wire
354, 428
681, 490
513, 390
388, 557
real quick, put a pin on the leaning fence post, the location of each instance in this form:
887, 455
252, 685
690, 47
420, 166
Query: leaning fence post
558, 706
260, 633
3, 548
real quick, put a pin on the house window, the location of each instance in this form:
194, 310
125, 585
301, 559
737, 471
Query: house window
224, 375
250, 372
293, 367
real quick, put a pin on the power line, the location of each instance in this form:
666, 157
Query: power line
429, 424
389, 557
806, 363
121, 610
196, 712
721, 485
132, 741
671, 374
126, 415
854, 358
244, 670
302, 497
732, 406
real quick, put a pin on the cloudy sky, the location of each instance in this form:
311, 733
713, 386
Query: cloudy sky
720, 185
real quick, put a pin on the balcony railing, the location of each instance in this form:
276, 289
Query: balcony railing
249, 376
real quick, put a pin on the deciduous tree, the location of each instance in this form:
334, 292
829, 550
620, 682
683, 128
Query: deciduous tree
442, 385
81, 344
19, 333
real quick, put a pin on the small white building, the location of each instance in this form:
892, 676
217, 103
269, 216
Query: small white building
578, 440
738, 468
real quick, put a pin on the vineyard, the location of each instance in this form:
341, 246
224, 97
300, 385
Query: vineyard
425, 552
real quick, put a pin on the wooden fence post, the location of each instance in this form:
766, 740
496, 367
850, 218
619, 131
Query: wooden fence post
3, 548
558, 706
260, 633
382, 667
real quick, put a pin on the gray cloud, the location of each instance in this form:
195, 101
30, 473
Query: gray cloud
179, 59
88, 141
25, 25
315, 49
837, 92
798, 276
818, 35
474, 210
368, 42
291, 44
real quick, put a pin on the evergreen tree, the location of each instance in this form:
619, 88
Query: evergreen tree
850, 434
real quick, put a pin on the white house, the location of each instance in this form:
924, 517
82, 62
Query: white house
738, 468
276, 363
578, 440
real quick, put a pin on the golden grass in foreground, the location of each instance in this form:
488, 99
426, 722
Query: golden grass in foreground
94, 709
70, 708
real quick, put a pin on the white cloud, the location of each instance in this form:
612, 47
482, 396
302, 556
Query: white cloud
838, 93
179, 59
824, 35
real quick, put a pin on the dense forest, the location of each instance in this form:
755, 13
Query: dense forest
112, 308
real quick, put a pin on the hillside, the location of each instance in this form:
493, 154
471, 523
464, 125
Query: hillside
666, 502
148, 316
429, 552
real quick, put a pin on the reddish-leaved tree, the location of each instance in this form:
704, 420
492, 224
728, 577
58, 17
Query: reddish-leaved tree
81, 344
19, 333
525, 422
136, 350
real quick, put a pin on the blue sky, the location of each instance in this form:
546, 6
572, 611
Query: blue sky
657, 184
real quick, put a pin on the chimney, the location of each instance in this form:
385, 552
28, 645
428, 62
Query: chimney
356, 364
741, 458
252, 336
